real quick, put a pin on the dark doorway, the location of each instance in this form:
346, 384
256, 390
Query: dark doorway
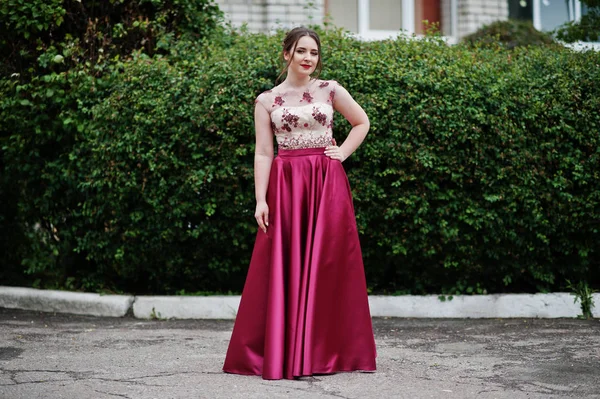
520, 9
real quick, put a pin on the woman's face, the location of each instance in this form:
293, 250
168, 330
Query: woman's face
305, 57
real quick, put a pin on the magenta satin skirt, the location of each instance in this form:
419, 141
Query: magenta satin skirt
304, 309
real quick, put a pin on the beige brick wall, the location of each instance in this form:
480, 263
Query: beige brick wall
473, 14
268, 15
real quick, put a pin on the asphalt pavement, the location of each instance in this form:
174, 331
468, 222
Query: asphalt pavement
46, 355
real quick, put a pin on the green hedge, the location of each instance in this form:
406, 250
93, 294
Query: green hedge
480, 173
509, 34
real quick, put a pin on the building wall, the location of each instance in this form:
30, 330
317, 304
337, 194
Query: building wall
473, 14
267, 15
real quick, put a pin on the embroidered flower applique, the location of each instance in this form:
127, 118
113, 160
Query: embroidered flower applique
323, 84
306, 97
290, 118
278, 101
331, 95
319, 116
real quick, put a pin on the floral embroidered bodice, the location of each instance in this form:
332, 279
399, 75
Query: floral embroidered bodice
301, 119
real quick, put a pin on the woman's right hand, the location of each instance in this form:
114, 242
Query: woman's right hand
262, 215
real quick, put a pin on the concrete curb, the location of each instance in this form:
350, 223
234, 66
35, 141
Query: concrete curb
478, 306
65, 302
186, 307
553, 305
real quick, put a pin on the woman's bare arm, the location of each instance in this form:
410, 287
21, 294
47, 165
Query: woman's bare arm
263, 157
353, 112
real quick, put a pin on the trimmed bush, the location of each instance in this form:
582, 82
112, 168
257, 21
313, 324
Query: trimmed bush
59, 59
586, 29
480, 173
509, 34
63, 34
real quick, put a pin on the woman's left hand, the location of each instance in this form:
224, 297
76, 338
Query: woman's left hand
335, 152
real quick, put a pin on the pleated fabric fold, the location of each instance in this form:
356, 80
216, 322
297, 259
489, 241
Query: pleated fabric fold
304, 308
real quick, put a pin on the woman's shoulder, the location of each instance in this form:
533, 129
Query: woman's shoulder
327, 84
330, 89
266, 97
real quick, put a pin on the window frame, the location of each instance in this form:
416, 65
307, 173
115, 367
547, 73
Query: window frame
365, 31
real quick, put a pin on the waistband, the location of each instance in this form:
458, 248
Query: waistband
301, 152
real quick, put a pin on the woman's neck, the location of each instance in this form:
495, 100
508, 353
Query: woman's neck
297, 82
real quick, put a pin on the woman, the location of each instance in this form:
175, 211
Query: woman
304, 308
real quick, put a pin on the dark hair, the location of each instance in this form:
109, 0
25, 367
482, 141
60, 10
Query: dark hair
291, 41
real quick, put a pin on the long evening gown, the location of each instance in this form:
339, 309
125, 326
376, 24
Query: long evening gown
304, 308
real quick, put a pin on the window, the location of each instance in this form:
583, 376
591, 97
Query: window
373, 19
550, 14
384, 15
343, 13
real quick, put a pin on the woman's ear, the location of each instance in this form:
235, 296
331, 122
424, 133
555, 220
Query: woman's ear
286, 55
